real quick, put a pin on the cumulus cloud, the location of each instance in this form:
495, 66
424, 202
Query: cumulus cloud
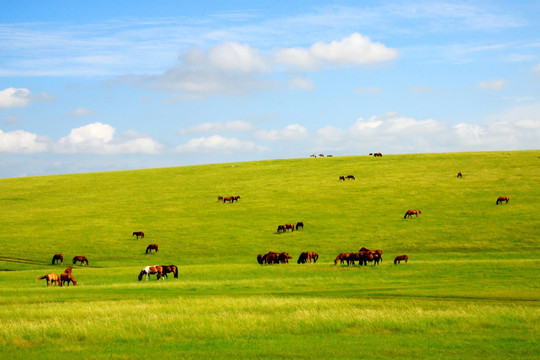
290, 132
219, 127
22, 142
217, 143
496, 84
12, 97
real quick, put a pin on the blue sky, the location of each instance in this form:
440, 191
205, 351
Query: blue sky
100, 85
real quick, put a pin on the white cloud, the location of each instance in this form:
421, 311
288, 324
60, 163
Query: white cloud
22, 142
496, 84
219, 127
12, 97
216, 143
290, 132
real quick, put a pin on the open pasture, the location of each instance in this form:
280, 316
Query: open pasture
469, 290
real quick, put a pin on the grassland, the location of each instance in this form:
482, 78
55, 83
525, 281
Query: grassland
470, 289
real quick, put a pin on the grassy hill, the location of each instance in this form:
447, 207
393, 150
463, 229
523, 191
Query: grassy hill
470, 290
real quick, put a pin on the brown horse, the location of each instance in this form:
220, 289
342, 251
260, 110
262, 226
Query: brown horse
58, 257
351, 177
67, 277
299, 225
151, 247
501, 199
281, 228
220, 198
273, 258
459, 175
342, 178
341, 258
170, 269
399, 258
308, 257
151, 270
377, 154
410, 213
289, 226
81, 259
51, 278
138, 233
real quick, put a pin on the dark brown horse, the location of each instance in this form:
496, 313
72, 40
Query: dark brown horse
459, 175
410, 213
377, 154
308, 257
151, 247
399, 258
299, 225
51, 278
81, 259
138, 233
341, 258
342, 178
151, 270
170, 269
220, 198
58, 257
351, 177
281, 228
67, 277
501, 199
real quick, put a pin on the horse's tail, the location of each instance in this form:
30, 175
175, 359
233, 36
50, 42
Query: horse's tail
176, 272
41, 277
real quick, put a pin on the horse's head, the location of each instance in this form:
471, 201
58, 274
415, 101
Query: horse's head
141, 274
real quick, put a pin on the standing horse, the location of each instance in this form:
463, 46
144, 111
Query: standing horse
138, 233
459, 175
377, 155
151, 247
58, 257
51, 278
67, 277
341, 258
289, 226
399, 258
170, 269
151, 270
299, 225
81, 259
410, 213
501, 199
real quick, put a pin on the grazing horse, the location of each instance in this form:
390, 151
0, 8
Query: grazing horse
228, 199
289, 226
299, 225
377, 154
281, 228
274, 258
308, 257
67, 277
151, 270
220, 198
501, 199
58, 257
341, 258
51, 278
459, 175
410, 213
81, 259
235, 198
342, 178
151, 247
138, 233
170, 269
398, 259
351, 177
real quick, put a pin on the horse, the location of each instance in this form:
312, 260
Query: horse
138, 233
502, 198
410, 213
341, 258
299, 225
273, 258
151, 247
260, 259
51, 278
67, 277
459, 175
58, 257
228, 199
220, 198
281, 228
235, 198
321, 155
289, 226
170, 269
351, 177
329, 155
342, 178
151, 270
308, 257
377, 154
82, 259
398, 259
312, 155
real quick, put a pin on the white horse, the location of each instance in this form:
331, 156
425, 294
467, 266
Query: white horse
151, 270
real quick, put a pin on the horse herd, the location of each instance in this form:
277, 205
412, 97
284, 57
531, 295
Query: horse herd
287, 227
229, 199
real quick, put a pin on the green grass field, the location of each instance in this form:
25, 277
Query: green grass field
471, 289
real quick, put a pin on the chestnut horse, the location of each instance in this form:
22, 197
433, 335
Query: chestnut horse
289, 226
67, 277
81, 259
51, 278
459, 175
377, 154
58, 257
398, 259
501, 199
410, 213
341, 258
151, 247
138, 233
151, 270
170, 269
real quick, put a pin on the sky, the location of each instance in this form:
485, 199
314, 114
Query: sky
91, 86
